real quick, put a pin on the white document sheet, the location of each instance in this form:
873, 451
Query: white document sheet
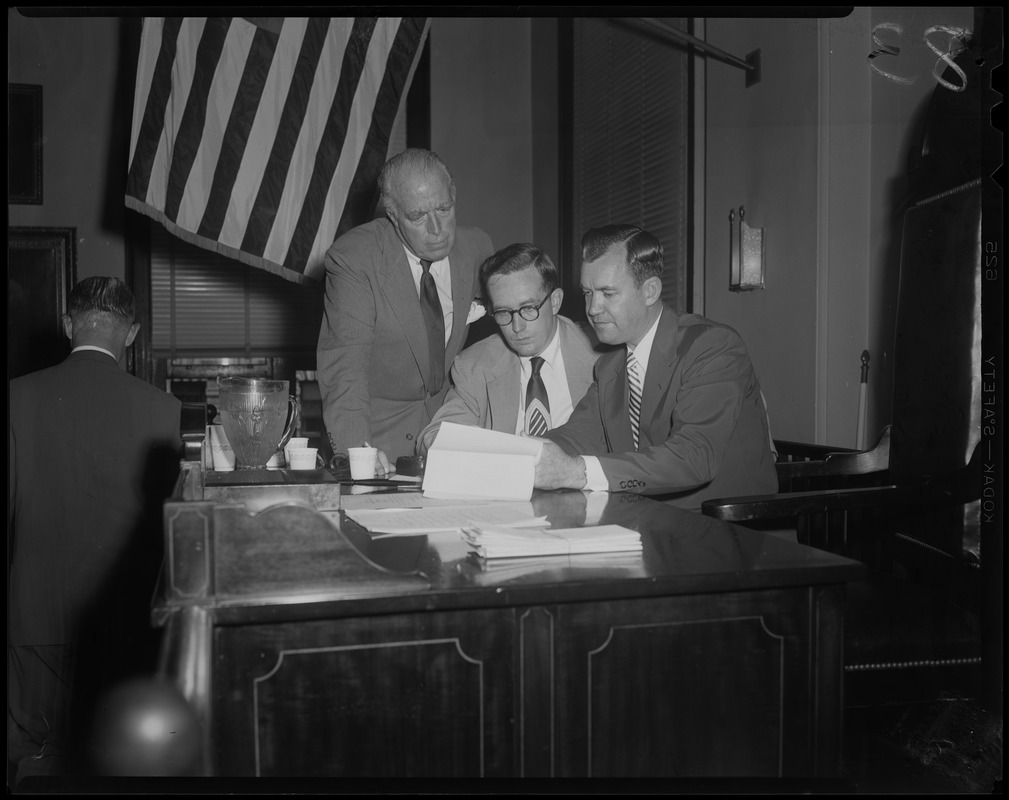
469, 462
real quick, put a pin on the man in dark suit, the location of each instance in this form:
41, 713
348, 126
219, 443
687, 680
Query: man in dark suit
540, 356
93, 452
400, 297
678, 411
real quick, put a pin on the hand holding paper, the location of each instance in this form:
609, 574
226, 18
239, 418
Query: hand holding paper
555, 469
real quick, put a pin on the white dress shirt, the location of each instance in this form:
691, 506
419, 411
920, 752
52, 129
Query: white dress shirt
442, 280
555, 380
595, 480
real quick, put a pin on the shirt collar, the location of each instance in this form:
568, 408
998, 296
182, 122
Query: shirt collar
95, 347
414, 260
644, 348
550, 352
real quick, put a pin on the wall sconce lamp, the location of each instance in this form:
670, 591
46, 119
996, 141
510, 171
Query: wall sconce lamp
746, 254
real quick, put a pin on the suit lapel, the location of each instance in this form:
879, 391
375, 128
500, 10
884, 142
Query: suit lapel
661, 362
462, 292
502, 397
576, 362
401, 293
613, 403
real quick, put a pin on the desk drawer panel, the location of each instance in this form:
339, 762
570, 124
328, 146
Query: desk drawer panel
712, 686
405, 696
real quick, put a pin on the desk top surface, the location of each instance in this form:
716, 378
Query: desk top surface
290, 556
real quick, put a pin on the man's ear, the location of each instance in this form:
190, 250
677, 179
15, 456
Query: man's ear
68, 327
134, 330
556, 298
653, 290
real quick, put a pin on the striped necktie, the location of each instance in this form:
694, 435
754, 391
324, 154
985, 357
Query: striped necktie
537, 402
434, 321
634, 395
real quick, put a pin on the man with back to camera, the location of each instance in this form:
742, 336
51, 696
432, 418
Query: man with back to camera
528, 379
93, 453
399, 298
678, 411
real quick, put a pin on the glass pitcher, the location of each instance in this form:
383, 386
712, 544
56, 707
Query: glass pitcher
254, 412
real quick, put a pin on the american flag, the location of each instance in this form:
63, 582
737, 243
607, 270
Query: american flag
262, 138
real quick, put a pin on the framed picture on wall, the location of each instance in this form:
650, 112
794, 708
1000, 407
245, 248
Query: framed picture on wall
24, 143
41, 271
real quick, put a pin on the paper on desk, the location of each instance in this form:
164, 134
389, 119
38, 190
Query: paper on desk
387, 499
415, 521
609, 566
498, 542
470, 462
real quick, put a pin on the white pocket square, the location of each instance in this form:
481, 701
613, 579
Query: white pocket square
476, 310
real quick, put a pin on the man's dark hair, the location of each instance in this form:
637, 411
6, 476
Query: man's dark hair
514, 258
413, 159
102, 301
643, 252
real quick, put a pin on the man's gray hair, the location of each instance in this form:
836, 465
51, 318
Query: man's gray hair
414, 159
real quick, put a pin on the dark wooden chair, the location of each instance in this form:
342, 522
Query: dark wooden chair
916, 628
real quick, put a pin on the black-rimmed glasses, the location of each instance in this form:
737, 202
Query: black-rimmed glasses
504, 316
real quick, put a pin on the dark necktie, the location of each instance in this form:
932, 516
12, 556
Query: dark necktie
434, 321
634, 395
537, 402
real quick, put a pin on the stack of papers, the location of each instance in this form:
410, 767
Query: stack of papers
492, 542
416, 521
608, 566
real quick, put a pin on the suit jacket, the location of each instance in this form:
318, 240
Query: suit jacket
93, 453
485, 382
703, 426
372, 358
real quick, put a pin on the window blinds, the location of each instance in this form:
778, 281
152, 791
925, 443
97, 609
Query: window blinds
631, 141
205, 304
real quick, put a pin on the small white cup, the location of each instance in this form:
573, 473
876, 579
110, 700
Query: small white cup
295, 443
363, 461
220, 448
302, 458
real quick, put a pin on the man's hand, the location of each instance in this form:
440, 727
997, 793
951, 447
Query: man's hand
382, 466
555, 469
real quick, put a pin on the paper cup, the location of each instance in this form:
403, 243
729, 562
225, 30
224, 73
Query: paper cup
302, 458
362, 462
295, 443
223, 455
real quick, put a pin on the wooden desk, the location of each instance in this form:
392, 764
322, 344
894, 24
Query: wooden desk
312, 650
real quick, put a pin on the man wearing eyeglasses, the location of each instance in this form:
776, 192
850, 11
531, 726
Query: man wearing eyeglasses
529, 379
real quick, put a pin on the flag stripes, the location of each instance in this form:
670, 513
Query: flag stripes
334, 132
262, 140
248, 91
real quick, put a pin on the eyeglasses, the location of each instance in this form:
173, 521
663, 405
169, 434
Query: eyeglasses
504, 316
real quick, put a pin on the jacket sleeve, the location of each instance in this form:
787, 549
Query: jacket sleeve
465, 404
716, 377
583, 434
343, 355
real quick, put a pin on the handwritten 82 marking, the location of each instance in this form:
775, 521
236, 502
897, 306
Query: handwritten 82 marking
957, 34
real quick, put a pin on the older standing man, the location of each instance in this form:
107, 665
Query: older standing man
399, 298
678, 411
528, 379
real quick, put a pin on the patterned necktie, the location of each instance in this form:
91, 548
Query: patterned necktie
434, 321
537, 402
634, 395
